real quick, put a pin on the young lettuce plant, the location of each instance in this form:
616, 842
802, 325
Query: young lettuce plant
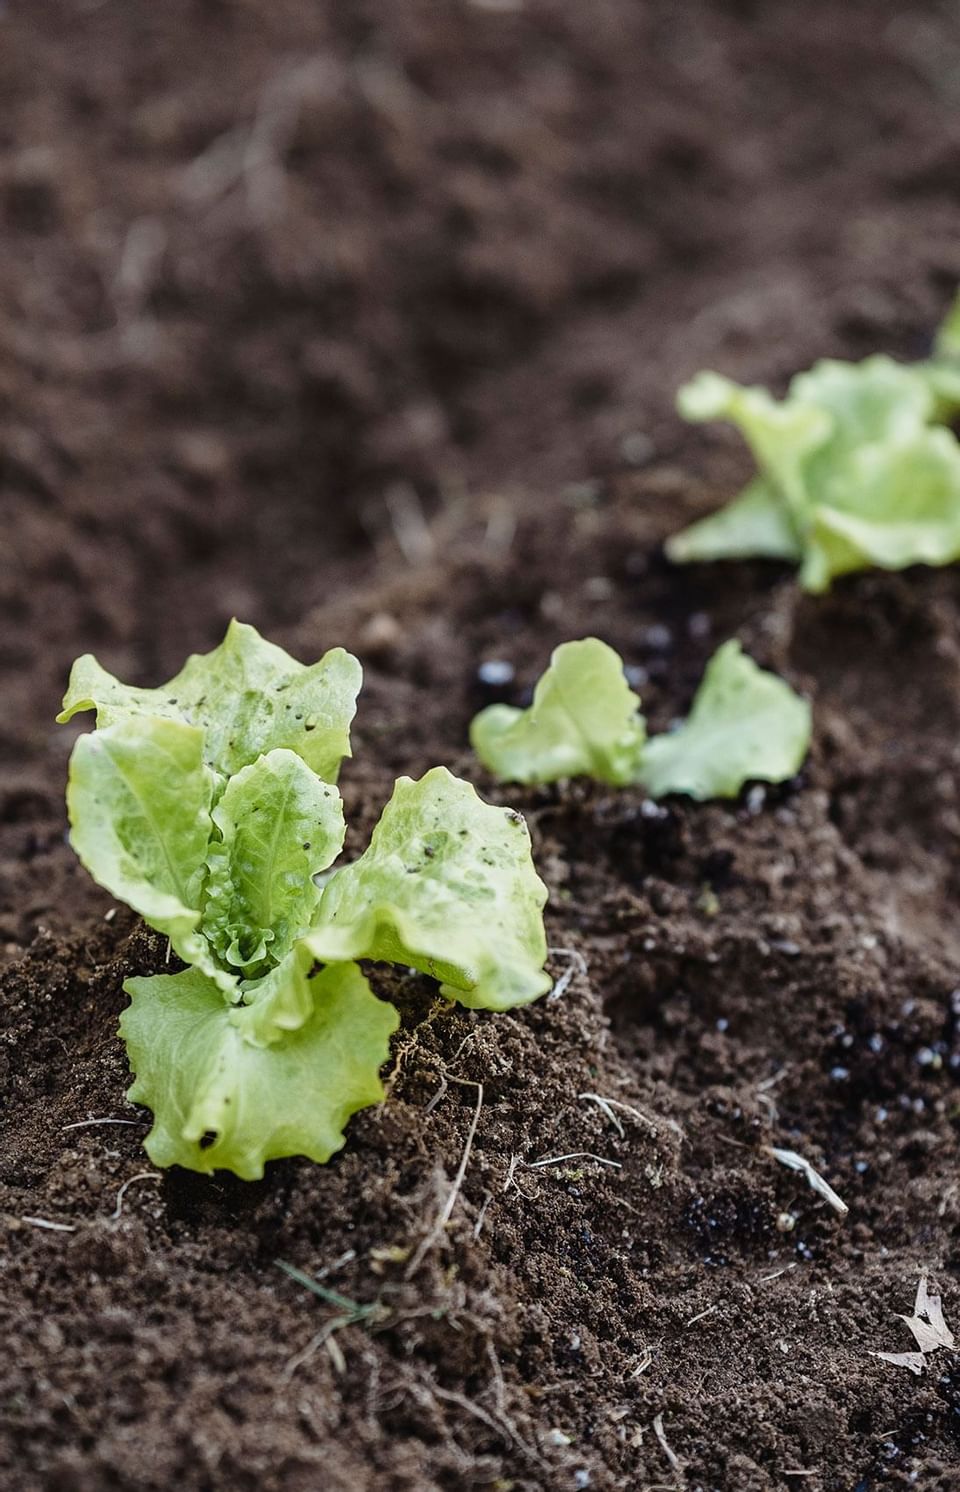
855, 467
585, 721
210, 806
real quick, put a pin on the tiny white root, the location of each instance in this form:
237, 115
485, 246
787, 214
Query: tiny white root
577, 964
140, 1176
555, 1160
676, 1464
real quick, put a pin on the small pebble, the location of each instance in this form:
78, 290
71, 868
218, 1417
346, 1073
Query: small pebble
380, 634
756, 798
637, 448
496, 673
657, 638
202, 453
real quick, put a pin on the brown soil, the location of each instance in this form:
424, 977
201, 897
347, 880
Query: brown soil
363, 321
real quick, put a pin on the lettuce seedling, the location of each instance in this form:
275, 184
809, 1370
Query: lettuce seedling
210, 807
855, 467
744, 724
584, 722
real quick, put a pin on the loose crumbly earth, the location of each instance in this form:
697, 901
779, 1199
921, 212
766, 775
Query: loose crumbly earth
362, 320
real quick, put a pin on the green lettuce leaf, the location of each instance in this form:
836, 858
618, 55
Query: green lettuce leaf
744, 723
877, 400
279, 825
248, 696
891, 506
944, 382
781, 435
138, 799
448, 887
220, 1101
584, 721
755, 525
853, 470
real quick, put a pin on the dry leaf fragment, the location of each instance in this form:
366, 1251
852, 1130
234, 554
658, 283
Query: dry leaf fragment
929, 1333
930, 1306
932, 1332
928, 1340
915, 1361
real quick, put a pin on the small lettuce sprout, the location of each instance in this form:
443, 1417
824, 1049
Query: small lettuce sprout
744, 724
584, 722
210, 808
855, 468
